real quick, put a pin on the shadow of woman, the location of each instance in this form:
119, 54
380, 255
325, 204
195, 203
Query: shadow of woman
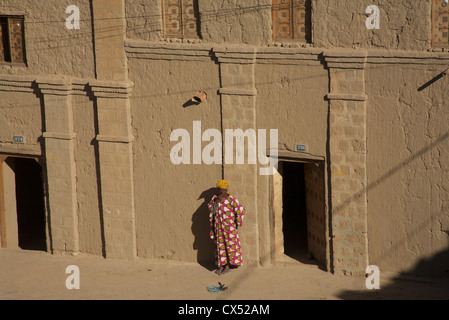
200, 229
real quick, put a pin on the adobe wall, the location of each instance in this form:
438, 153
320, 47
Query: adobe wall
335, 24
222, 21
407, 168
51, 48
20, 115
108, 141
228, 22
291, 91
291, 98
63, 112
404, 25
144, 19
29, 109
53, 51
172, 219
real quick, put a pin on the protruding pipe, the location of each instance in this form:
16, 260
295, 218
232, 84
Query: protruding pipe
200, 97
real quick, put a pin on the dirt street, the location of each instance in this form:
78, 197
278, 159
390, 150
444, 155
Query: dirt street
39, 275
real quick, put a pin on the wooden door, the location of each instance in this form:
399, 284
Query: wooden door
172, 17
16, 39
316, 212
291, 20
180, 18
282, 19
189, 19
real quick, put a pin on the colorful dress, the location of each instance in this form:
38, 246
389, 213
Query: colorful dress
225, 216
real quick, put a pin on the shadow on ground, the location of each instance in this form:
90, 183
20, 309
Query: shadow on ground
428, 280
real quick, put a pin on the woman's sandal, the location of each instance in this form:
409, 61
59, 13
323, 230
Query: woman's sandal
224, 272
219, 271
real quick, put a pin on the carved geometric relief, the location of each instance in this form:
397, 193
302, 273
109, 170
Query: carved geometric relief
189, 19
292, 20
172, 14
440, 24
180, 18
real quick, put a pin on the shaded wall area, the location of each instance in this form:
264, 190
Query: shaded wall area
408, 191
88, 175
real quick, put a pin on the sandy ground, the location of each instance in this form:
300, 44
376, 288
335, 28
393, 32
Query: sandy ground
39, 275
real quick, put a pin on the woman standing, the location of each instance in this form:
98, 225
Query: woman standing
226, 215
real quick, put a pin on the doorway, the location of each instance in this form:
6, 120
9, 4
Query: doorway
301, 200
294, 213
23, 210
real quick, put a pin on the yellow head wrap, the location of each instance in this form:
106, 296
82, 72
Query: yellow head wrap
223, 184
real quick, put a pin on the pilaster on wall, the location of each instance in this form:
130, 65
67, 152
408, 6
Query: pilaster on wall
112, 90
238, 103
116, 168
347, 144
60, 165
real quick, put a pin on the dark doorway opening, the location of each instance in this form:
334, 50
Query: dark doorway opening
30, 204
294, 214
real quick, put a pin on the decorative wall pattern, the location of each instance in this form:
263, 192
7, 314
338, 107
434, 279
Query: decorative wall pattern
291, 20
180, 19
440, 24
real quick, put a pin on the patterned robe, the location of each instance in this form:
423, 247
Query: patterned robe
228, 216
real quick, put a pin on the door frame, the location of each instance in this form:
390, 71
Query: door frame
3, 228
276, 235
